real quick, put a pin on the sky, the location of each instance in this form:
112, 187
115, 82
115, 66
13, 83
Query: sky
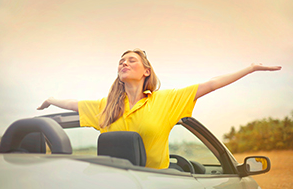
70, 50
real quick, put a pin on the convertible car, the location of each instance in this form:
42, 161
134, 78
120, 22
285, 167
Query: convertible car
40, 152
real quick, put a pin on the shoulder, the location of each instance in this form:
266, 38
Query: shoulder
161, 93
98, 102
176, 90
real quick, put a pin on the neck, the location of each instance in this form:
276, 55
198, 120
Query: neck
134, 93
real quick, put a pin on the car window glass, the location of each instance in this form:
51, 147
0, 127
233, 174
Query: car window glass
184, 143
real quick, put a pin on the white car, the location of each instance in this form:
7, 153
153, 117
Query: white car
200, 162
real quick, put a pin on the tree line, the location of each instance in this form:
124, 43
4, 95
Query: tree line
266, 134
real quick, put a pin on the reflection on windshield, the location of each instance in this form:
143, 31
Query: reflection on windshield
182, 142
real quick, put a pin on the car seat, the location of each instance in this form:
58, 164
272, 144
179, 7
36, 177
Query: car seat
123, 144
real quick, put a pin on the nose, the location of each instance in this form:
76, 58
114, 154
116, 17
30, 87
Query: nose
125, 63
122, 65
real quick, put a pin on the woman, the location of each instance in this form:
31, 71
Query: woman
135, 104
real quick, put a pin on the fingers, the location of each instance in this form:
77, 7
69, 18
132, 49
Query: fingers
40, 108
273, 68
45, 104
261, 67
277, 67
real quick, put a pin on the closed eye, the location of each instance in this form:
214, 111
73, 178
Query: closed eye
132, 59
121, 61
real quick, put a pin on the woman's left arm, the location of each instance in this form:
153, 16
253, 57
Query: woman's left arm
221, 81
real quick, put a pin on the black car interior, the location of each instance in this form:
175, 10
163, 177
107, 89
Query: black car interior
123, 144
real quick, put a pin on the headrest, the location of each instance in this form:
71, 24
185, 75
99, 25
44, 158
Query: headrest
123, 144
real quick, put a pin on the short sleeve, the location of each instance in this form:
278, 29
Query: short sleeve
182, 103
89, 112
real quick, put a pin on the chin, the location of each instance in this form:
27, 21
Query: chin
123, 79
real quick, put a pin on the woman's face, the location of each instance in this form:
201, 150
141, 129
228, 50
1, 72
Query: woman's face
131, 69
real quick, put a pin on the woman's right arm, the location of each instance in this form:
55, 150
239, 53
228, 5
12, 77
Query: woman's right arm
68, 104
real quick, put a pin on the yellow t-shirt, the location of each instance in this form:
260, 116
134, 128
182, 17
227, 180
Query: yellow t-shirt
152, 117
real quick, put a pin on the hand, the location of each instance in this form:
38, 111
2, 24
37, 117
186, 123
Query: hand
45, 104
260, 67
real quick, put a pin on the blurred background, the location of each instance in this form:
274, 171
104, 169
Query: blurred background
71, 49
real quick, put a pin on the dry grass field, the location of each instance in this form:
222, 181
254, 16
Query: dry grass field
281, 173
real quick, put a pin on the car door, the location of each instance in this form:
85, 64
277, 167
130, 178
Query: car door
194, 146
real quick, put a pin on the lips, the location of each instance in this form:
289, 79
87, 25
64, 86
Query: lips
124, 69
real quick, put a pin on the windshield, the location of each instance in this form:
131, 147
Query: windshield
184, 143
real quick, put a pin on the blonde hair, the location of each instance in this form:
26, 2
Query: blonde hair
115, 101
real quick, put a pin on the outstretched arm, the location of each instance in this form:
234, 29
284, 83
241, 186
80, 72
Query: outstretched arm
221, 81
68, 104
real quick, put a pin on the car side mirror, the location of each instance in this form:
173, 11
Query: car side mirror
254, 165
